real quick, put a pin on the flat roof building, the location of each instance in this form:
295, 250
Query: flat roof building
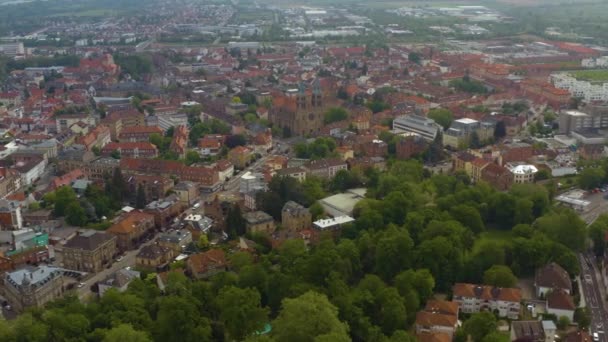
425, 127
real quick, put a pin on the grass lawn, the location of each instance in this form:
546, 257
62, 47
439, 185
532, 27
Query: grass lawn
591, 75
495, 235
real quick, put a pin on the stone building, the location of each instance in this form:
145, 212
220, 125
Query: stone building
33, 286
259, 222
300, 111
295, 217
89, 251
131, 229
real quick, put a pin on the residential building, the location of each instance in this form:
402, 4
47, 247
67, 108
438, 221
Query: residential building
325, 168
522, 173
11, 217
560, 304
155, 187
425, 127
131, 149
262, 142
131, 229
587, 90
197, 225
298, 173
462, 131
206, 264
295, 216
138, 133
550, 277
99, 168
97, 138
177, 240
165, 209
73, 158
211, 145
10, 181
65, 121
118, 280
259, 222
179, 141
154, 257
240, 156
225, 170
410, 145
463, 162
477, 166
66, 179
527, 331
438, 317
497, 176
475, 298
207, 178
33, 286
251, 182
89, 251
31, 170
187, 192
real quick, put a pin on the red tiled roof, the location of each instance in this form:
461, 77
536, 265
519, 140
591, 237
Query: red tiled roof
487, 292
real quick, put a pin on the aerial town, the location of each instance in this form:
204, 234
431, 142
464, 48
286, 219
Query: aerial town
272, 171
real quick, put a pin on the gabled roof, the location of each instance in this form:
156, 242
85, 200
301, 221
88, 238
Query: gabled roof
560, 300
553, 276
88, 241
430, 319
487, 292
442, 306
203, 262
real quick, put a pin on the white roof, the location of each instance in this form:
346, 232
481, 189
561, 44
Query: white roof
523, 169
575, 113
466, 121
328, 223
128, 209
573, 201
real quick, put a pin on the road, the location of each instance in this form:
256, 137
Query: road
128, 260
591, 280
592, 285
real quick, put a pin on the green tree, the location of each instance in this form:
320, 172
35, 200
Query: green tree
240, 311
76, 216
335, 114
442, 116
115, 154
29, 329
126, 333
178, 319
64, 197
480, 325
500, 276
469, 217
582, 317
414, 57
192, 157
496, 337
565, 227
235, 223
140, 197
316, 210
597, 233
563, 322
309, 317
591, 177
203, 241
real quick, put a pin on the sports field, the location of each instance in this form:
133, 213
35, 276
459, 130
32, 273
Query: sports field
591, 75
